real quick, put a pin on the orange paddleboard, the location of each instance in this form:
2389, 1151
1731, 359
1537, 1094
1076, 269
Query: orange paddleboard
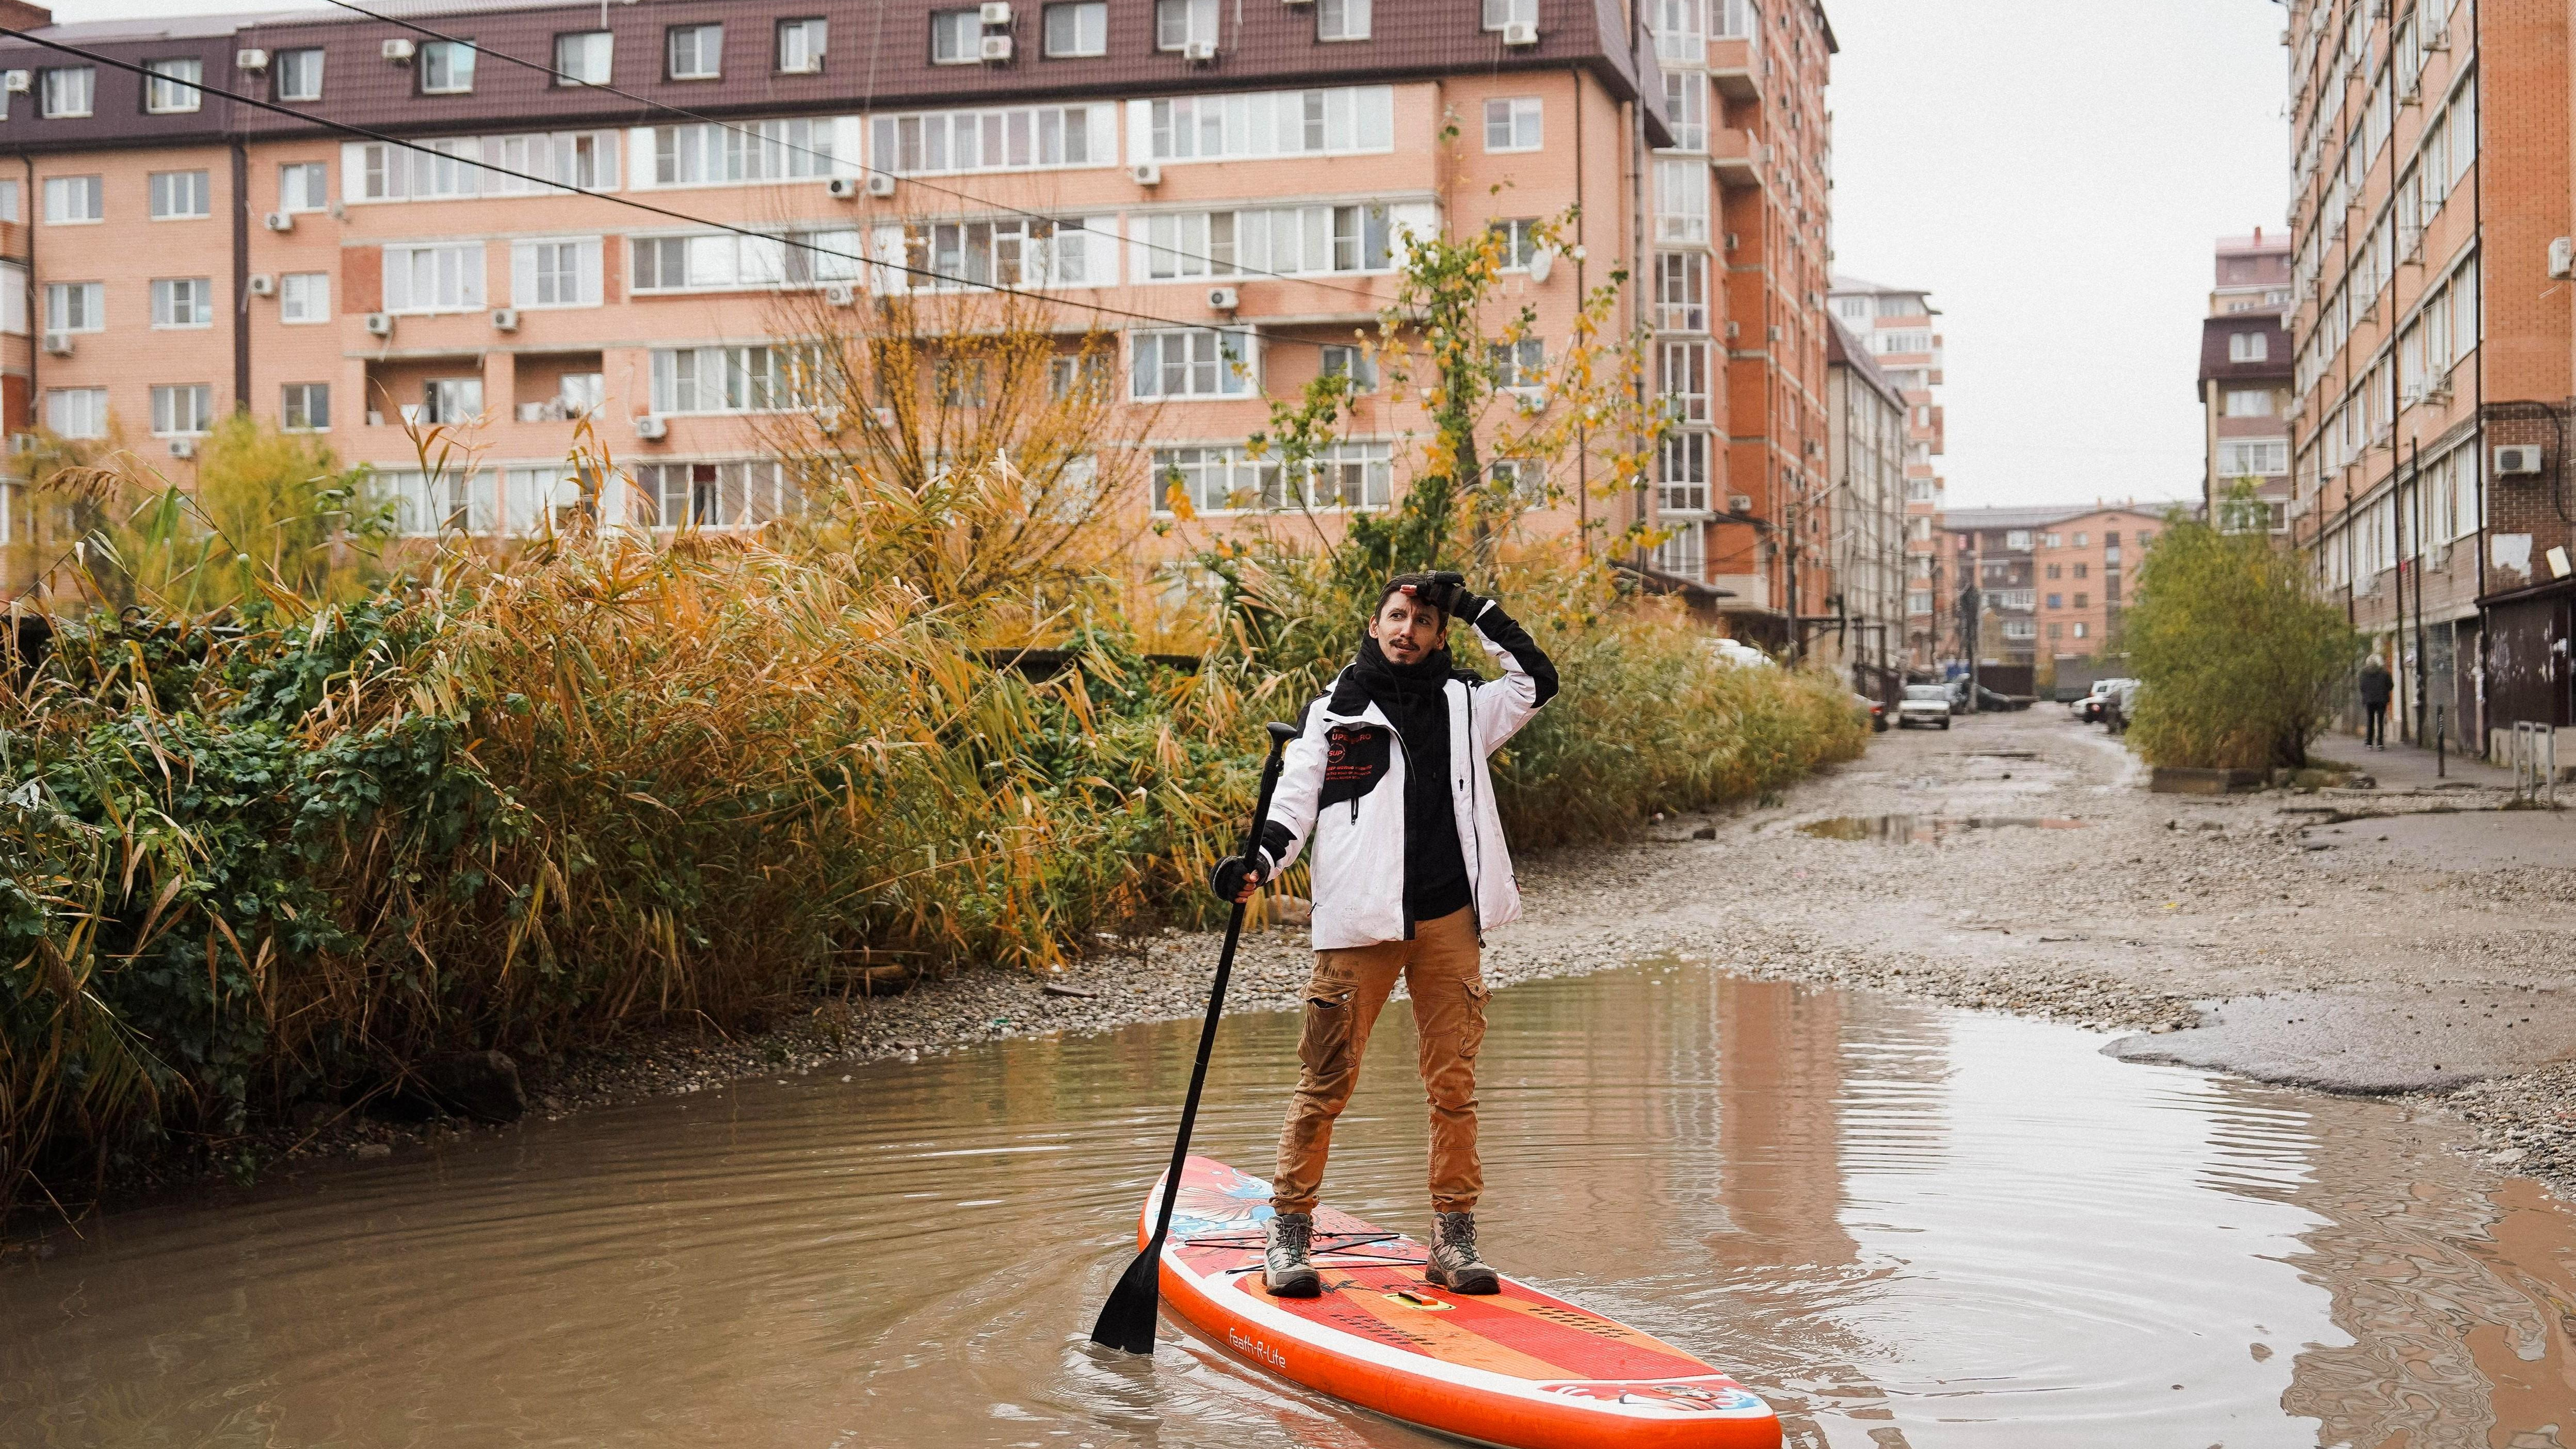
1520, 1369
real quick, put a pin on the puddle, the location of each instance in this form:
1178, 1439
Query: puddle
1904, 1225
1926, 829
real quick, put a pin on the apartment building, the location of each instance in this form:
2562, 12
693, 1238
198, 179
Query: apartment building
515, 216
2085, 568
1866, 451
2245, 381
1896, 327
2430, 326
1743, 481
1994, 557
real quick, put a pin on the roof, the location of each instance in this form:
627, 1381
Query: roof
2214, 349
1963, 520
1845, 282
2260, 241
172, 27
1842, 349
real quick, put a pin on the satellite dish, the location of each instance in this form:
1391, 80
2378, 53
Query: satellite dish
1541, 263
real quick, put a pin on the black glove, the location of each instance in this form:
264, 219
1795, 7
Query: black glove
1447, 592
1233, 873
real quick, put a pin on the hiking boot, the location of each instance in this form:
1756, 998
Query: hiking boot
1287, 1268
1455, 1263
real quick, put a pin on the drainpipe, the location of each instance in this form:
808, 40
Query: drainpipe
241, 276
35, 294
1582, 429
1637, 254
2478, 414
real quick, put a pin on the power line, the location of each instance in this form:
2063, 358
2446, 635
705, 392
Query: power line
705, 119
789, 239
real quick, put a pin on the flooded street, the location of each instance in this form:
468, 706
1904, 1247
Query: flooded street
1904, 1224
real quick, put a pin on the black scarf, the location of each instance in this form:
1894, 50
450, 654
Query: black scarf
1414, 698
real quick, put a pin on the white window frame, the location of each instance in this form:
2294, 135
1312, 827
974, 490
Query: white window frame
91, 402
92, 306
444, 56
307, 391
956, 37
702, 66
746, 480
1340, 20
174, 87
1681, 291
1088, 20
1016, 138
2248, 347
538, 268
1254, 125
1515, 123
91, 190
468, 261
161, 187
304, 186
1499, 13
1686, 101
1681, 201
2251, 402
1229, 368
68, 92
166, 418
304, 298
447, 401
294, 68
803, 43
745, 153
1344, 359
182, 303
1179, 24
757, 377
575, 63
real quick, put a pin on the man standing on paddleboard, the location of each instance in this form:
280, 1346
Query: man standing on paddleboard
1387, 779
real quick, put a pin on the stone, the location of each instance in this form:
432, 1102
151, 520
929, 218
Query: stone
481, 1085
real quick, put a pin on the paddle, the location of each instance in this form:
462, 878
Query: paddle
1127, 1319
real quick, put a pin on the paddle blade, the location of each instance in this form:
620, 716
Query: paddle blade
1127, 1319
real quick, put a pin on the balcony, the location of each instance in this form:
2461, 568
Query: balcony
1751, 591
1737, 158
1736, 70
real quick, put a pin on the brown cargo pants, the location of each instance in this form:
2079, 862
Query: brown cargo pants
1443, 969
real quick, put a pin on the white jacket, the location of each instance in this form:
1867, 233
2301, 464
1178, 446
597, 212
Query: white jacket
1342, 782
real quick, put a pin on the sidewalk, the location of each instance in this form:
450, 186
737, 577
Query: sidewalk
2408, 767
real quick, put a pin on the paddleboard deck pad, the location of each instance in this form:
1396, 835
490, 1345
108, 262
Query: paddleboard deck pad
1519, 1368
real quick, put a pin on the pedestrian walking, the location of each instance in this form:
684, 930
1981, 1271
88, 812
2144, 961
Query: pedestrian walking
2376, 686
1387, 782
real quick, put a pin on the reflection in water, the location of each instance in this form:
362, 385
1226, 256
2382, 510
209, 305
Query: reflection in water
1927, 829
1905, 1225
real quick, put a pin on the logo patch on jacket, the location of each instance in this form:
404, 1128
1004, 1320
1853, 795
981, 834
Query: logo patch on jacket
1355, 759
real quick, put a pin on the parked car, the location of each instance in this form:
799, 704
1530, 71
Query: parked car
1924, 704
1875, 709
1736, 651
2089, 708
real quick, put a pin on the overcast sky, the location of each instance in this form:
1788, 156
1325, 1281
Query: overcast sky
2054, 171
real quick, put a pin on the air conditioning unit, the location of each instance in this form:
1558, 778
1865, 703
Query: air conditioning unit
1773, 332
1520, 32
828, 419
1733, 241
841, 188
1199, 52
1223, 299
1529, 399
651, 429
58, 344
996, 49
1734, 330
505, 319
380, 324
2562, 257
2438, 38
840, 294
2517, 460
263, 285
250, 60
880, 183
18, 82
1146, 173
2438, 392
183, 447
995, 12
398, 50
1739, 503
279, 221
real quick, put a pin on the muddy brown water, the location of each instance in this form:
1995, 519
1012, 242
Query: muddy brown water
1905, 1225
1925, 829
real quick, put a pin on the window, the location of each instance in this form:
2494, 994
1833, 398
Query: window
446, 67
1349, 475
183, 302
1686, 102
73, 199
2054, 540
1355, 363
1918, 601
68, 91
1193, 362
2055, 631
438, 502
2056, 601
706, 154
188, 409
1735, 19
1209, 480
77, 412
303, 186
448, 400
696, 52
8, 192
2249, 402
1521, 364
937, 142
1681, 201
2082, 569
1681, 291
755, 379
170, 86
2083, 601
801, 45
1521, 479
1683, 379
1685, 554
2018, 538
1179, 24
584, 59
2054, 571
181, 196
1026, 251
304, 297
447, 277
1082, 374
1680, 30
1077, 29
299, 75
306, 408
1681, 473
1252, 124
2082, 630
2082, 539
1499, 13
956, 37
717, 495
2253, 457
1342, 20
2011, 599
1513, 124
555, 273
1288, 239
454, 167
728, 262
2248, 347
2020, 629
1519, 239
75, 306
